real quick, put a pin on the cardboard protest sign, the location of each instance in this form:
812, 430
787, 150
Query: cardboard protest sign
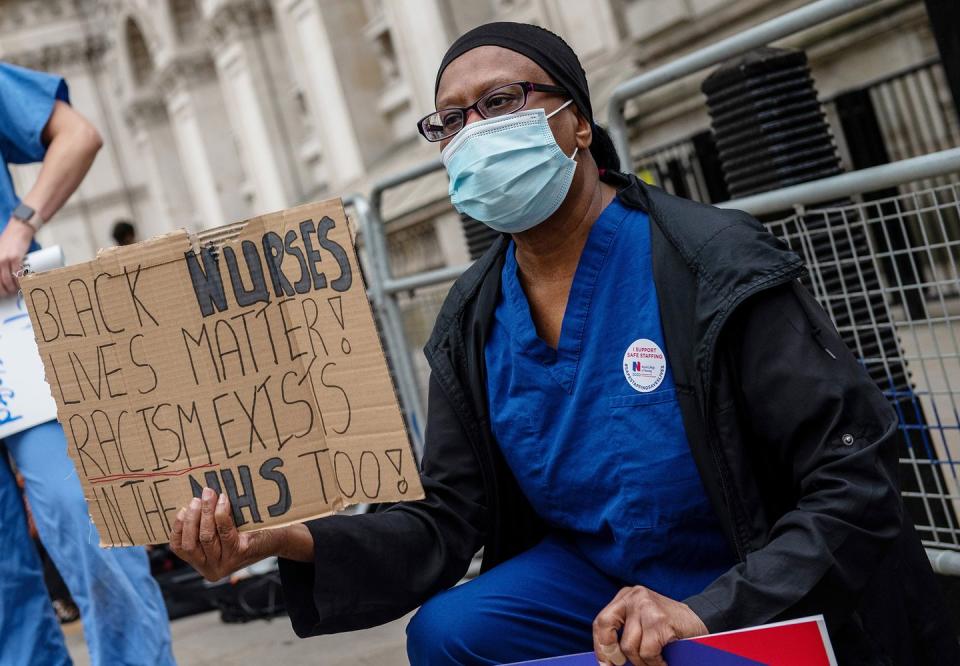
25, 399
244, 359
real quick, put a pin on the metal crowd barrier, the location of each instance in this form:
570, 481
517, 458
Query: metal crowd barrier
757, 36
858, 238
925, 214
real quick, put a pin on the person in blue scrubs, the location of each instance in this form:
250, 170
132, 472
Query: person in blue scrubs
562, 412
581, 395
122, 609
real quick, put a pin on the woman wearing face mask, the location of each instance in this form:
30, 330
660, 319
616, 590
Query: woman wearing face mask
636, 411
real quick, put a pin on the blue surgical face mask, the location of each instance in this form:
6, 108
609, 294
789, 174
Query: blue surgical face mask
508, 172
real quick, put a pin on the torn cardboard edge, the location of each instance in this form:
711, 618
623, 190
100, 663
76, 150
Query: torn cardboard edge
353, 454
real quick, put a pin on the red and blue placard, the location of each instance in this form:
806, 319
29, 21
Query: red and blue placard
802, 642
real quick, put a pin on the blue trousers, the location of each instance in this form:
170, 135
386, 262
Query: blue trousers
124, 616
539, 604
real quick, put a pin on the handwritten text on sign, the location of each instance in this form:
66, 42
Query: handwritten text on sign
250, 365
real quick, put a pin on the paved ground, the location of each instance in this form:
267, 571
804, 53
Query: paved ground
203, 640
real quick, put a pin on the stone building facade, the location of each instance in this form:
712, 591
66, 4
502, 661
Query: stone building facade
216, 110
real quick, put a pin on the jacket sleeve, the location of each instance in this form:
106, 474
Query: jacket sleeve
372, 568
811, 414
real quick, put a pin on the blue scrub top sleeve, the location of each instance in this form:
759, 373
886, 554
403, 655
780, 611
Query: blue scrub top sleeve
26, 103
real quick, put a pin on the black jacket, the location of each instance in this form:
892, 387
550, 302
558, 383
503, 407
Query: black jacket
791, 437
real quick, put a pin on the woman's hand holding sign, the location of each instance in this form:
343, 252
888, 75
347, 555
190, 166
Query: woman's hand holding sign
647, 622
205, 536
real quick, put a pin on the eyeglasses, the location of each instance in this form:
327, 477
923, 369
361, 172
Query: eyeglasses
501, 101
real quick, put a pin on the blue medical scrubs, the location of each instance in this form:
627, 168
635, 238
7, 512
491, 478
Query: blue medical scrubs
122, 609
593, 434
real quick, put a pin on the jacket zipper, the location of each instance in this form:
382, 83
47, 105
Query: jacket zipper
740, 547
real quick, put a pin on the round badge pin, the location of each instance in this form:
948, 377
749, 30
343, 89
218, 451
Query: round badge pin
644, 365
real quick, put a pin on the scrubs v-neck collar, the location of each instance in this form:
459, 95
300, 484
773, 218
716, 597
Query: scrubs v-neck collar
563, 361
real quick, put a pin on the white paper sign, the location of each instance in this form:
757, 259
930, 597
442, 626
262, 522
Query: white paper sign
25, 399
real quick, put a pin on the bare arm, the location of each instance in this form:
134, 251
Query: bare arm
72, 143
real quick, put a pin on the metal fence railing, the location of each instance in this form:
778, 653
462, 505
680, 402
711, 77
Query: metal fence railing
688, 167
910, 112
901, 115
915, 110
865, 276
760, 35
914, 358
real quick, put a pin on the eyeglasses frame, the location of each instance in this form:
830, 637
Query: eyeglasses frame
527, 86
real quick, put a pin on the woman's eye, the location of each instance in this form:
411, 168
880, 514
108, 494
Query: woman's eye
499, 101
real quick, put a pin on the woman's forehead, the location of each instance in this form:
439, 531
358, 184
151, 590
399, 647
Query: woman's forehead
478, 70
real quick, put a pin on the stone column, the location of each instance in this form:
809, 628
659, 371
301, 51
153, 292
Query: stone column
421, 40
163, 171
591, 34
306, 33
259, 95
207, 151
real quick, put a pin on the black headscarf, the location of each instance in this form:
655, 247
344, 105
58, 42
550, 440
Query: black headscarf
556, 58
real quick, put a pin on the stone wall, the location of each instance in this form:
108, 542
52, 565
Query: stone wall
216, 110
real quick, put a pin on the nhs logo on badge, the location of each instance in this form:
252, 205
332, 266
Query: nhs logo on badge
644, 365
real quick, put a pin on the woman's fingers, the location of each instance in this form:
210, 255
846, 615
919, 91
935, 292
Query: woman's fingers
646, 622
226, 528
207, 533
631, 638
205, 536
651, 649
176, 534
605, 627
190, 549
